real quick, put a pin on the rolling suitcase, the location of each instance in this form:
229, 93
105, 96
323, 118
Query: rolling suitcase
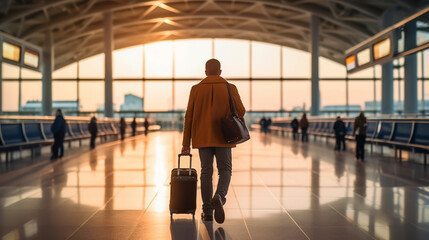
183, 189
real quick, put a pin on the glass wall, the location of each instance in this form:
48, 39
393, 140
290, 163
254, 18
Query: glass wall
297, 95
21, 90
266, 95
157, 77
333, 96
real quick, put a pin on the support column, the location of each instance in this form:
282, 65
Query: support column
410, 65
387, 106
315, 94
108, 66
47, 69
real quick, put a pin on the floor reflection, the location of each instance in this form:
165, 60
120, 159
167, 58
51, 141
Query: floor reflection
281, 189
183, 229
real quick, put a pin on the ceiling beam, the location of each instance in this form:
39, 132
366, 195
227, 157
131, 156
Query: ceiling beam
102, 7
126, 23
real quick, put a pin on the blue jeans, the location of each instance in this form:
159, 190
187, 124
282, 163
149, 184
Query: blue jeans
224, 166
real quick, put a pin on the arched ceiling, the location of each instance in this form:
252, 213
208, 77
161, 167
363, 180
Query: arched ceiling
77, 25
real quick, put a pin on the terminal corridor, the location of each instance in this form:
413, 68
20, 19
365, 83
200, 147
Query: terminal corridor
280, 189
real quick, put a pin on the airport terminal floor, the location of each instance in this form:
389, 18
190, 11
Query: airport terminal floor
280, 189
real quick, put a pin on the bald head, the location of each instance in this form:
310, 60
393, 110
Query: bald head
213, 67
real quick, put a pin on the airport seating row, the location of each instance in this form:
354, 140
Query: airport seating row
16, 136
400, 134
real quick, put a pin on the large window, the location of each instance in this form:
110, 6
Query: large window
9, 71
10, 96
331, 69
265, 60
92, 67
159, 60
266, 95
59, 93
361, 93
296, 63
158, 96
31, 93
67, 72
158, 77
234, 57
332, 95
190, 57
128, 62
128, 95
181, 93
91, 96
296, 95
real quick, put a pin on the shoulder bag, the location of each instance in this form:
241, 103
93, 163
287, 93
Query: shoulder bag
233, 127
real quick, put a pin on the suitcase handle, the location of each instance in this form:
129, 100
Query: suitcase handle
190, 162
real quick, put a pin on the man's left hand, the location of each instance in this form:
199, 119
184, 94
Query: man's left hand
186, 150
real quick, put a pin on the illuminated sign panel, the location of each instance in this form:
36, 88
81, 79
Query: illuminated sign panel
363, 57
11, 51
351, 62
31, 58
382, 48
406, 37
422, 33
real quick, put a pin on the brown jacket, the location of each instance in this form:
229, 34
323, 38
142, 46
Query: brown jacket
208, 104
360, 125
303, 123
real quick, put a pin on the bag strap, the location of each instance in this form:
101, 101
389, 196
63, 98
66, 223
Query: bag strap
231, 101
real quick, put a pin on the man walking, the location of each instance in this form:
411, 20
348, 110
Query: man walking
360, 130
295, 125
208, 105
134, 126
93, 130
58, 129
340, 134
303, 124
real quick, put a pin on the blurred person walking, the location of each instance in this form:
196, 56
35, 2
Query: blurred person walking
146, 126
295, 125
262, 124
58, 129
303, 124
268, 125
93, 130
134, 126
122, 127
208, 105
340, 134
360, 128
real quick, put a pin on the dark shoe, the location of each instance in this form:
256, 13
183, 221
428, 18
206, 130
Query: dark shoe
207, 217
219, 213
53, 158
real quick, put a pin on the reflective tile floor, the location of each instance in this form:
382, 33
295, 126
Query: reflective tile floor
280, 190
